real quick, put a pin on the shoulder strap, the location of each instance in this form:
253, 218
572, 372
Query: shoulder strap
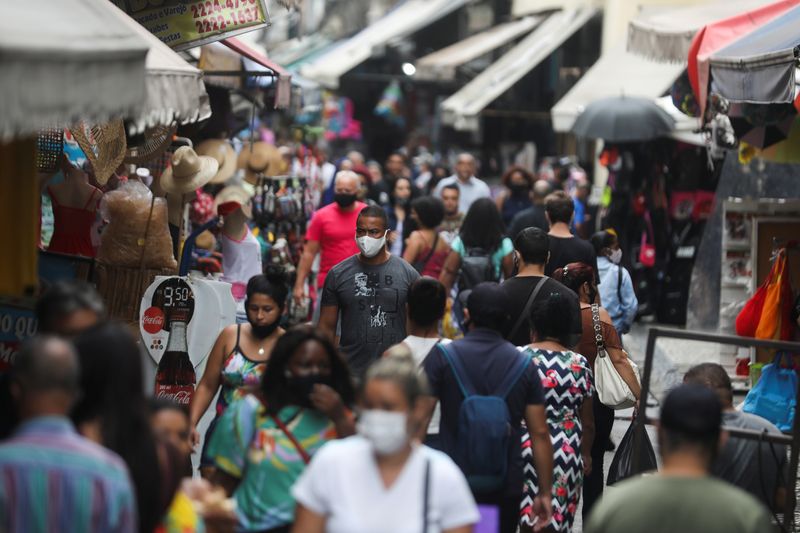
526, 310
426, 495
303, 453
89, 201
427, 258
513, 376
238, 332
619, 284
459, 371
598, 331
52, 196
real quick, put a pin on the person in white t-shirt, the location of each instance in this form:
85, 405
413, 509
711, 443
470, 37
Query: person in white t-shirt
380, 480
427, 299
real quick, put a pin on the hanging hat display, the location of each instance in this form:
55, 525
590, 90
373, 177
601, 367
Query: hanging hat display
259, 159
223, 152
153, 143
104, 146
233, 194
188, 172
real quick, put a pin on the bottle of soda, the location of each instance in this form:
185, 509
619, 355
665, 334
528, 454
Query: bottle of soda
175, 377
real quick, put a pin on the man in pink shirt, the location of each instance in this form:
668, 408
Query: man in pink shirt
330, 233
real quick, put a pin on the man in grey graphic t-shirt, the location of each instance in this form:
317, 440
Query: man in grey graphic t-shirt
369, 292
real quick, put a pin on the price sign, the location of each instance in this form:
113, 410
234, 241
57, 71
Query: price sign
183, 24
172, 297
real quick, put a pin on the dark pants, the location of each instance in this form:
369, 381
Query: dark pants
593, 483
508, 507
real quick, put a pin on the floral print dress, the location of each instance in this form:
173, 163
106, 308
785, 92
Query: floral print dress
567, 382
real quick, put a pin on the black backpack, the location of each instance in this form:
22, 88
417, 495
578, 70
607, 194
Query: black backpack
476, 267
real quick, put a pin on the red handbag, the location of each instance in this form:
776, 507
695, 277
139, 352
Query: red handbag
647, 252
749, 317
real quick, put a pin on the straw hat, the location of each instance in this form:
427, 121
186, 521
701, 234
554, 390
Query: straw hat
188, 172
225, 155
260, 158
104, 145
235, 193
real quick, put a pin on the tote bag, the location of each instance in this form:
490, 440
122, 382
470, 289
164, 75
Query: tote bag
612, 391
774, 396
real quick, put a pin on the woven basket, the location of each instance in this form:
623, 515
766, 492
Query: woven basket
122, 288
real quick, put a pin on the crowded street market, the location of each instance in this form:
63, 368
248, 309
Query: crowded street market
390, 266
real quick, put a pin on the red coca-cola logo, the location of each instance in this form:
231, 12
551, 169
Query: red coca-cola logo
180, 394
153, 320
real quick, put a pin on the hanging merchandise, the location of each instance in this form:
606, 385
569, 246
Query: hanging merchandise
259, 159
241, 251
337, 118
647, 251
199, 308
49, 150
774, 395
390, 106
223, 152
767, 314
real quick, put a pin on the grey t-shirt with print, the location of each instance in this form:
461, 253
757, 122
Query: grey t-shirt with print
372, 306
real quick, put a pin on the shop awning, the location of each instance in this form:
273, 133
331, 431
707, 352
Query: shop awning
462, 109
442, 64
284, 88
526, 7
616, 73
665, 34
714, 37
174, 89
760, 67
66, 60
409, 17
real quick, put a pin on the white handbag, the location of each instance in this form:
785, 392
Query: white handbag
612, 391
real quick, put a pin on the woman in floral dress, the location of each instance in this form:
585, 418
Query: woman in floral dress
567, 383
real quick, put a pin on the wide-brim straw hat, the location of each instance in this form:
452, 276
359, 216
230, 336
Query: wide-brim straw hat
104, 144
188, 171
260, 159
235, 193
223, 152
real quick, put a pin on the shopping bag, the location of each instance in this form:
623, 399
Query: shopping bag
750, 315
774, 396
769, 322
622, 464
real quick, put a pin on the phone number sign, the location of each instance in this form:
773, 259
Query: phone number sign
16, 325
184, 24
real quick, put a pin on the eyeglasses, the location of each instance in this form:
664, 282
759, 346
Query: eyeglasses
374, 233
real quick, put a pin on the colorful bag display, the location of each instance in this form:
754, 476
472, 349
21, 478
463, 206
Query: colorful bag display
774, 395
767, 315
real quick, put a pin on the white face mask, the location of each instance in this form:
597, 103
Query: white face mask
386, 431
370, 246
615, 256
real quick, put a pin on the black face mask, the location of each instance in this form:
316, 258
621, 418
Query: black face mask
344, 200
262, 332
303, 386
518, 189
402, 202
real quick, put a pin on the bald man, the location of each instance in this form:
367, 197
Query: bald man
61, 479
330, 233
532, 216
470, 187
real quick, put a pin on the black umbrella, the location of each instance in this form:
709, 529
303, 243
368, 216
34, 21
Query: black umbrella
623, 119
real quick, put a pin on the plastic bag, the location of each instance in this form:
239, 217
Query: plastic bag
773, 397
622, 464
127, 210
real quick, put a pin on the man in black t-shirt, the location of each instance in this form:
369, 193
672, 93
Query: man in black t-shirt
531, 249
565, 248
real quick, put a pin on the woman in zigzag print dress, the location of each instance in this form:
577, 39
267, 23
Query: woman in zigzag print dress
567, 383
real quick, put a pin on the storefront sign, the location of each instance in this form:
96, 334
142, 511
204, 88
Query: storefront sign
16, 325
183, 24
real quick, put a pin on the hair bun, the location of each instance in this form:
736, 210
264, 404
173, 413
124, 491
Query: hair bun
276, 274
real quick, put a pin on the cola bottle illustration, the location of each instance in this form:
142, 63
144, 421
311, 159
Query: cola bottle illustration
175, 377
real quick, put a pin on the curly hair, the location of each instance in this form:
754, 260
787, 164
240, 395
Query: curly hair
516, 169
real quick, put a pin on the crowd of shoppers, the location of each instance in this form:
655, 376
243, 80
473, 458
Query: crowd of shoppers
377, 416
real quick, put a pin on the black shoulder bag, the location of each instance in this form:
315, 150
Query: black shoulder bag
527, 309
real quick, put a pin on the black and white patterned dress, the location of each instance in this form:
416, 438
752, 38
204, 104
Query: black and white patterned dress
567, 382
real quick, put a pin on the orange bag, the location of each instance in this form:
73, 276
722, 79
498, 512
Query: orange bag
775, 322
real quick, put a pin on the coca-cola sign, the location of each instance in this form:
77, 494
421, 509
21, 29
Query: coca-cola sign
180, 394
174, 295
153, 320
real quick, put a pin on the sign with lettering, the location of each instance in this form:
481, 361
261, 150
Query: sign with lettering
183, 24
16, 325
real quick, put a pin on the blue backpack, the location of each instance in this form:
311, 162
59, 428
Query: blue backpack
484, 426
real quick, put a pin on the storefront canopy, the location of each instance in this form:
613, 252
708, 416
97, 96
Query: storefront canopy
462, 109
665, 34
284, 77
174, 89
442, 64
716, 36
620, 72
409, 17
760, 67
66, 60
